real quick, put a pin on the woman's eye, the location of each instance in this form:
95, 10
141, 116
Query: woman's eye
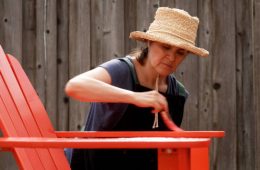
166, 47
181, 52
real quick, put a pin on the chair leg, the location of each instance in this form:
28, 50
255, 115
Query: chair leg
174, 159
200, 158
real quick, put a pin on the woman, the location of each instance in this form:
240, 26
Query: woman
129, 93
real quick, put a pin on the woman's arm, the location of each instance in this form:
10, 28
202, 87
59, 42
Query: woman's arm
95, 86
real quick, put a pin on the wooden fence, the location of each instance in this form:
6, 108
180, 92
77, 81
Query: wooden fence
58, 39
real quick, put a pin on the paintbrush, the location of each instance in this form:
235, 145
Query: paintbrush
155, 122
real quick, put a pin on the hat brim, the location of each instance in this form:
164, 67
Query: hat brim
170, 40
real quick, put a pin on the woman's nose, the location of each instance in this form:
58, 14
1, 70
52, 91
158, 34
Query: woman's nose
171, 56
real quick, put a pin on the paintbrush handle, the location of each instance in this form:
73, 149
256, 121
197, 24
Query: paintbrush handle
156, 121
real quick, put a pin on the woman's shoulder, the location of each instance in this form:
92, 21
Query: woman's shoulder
115, 63
115, 66
119, 72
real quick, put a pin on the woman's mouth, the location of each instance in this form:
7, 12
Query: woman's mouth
167, 65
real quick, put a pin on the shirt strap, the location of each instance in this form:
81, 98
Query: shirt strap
181, 89
131, 66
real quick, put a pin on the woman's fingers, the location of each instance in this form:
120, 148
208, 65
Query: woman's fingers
159, 104
169, 123
151, 99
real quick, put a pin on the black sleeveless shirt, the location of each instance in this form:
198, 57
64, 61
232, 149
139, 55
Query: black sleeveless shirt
133, 119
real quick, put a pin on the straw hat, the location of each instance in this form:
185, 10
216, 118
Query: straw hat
173, 27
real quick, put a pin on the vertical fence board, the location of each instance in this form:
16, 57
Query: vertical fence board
97, 18
224, 84
188, 69
167, 3
129, 24
145, 15
218, 80
40, 51
51, 59
113, 29
244, 86
46, 74
11, 27
63, 64
205, 40
256, 79
29, 39
107, 38
79, 54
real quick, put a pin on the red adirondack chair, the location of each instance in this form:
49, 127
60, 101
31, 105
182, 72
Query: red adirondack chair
30, 136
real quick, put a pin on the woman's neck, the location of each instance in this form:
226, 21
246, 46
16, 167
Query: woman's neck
147, 76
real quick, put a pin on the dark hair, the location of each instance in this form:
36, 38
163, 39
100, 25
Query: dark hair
140, 54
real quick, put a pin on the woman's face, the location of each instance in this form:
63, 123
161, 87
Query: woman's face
165, 58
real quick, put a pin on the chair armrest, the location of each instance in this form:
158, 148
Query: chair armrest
102, 143
113, 134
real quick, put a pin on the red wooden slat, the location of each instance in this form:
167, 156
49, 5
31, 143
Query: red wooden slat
6, 123
18, 98
29, 158
23, 109
15, 126
149, 142
104, 134
38, 111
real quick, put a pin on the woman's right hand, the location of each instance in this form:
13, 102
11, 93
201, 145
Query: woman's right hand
151, 99
159, 104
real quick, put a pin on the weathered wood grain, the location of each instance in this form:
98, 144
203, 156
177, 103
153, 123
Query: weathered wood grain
130, 17
256, 80
79, 55
189, 68
62, 63
41, 51
244, 86
50, 41
218, 79
145, 15
29, 39
107, 30
11, 27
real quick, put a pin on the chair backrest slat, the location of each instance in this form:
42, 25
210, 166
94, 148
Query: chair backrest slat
26, 117
12, 125
18, 98
38, 111
5, 121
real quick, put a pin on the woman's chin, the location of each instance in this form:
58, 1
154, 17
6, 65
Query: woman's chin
165, 72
